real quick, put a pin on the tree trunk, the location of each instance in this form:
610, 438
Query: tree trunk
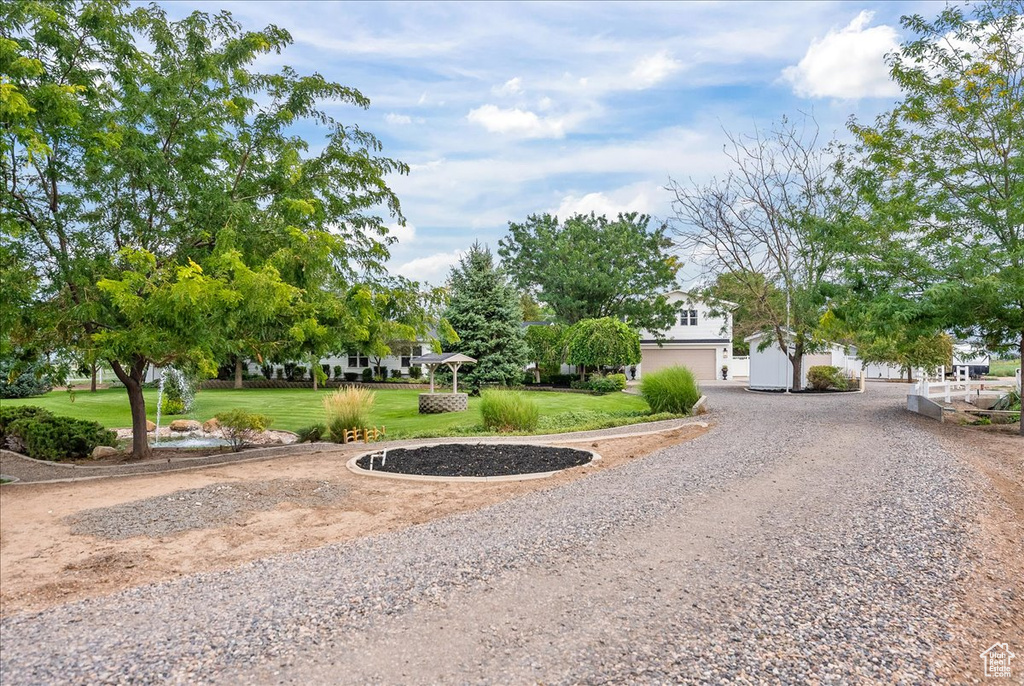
92, 382
1022, 381
797, 359
238, 372
536, 372
132, 380
910, 374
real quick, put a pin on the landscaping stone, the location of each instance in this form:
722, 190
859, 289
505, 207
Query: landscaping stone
150, 426
101, 451
211, 425
184, 425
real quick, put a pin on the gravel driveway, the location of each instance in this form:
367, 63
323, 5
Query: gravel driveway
802, 539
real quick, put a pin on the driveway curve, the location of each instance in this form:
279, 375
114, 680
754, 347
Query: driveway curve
818, 538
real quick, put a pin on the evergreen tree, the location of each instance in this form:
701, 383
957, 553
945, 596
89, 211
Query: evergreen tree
484, 310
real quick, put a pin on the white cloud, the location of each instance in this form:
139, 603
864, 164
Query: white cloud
636, 198
404, 234
654, 69
432, 268
847, 64
513, 86
517, 122
398, 119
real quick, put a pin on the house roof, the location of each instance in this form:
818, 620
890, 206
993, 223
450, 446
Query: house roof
441, 358
694, 298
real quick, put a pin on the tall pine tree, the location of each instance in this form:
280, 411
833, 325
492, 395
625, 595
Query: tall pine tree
484, 309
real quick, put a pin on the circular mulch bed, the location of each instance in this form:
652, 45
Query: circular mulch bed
476, 460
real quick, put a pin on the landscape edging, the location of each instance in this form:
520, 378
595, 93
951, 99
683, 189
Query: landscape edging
356, 469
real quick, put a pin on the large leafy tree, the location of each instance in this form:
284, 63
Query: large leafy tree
604, 342
484, 311
589, 267
767, 228
943, 178
159, 188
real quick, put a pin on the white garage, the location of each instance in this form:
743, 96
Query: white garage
703, 362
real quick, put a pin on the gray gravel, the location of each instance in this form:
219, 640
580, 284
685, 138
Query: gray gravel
803, 539
201, 508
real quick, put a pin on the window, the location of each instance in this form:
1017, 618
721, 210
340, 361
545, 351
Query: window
410, 353
688, 318
357, 360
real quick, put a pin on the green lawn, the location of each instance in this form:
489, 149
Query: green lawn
395, 409
1003, 367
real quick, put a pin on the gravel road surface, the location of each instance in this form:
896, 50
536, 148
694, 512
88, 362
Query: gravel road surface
802, 539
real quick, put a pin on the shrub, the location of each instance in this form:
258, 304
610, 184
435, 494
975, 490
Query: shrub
396, 373
346, 409
279, 374
298, 373
508, 411
267, 370
380, 373
561, 380
338, 372
311, 433
172, 406
672, 389
823, 377
415, 372
367, 375
602, 384
9, 415
239, 427
50, 437
351, 376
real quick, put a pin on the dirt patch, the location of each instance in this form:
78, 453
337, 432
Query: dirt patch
992, 605
467, 459
43, 562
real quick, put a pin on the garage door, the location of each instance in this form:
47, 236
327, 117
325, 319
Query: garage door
700, 361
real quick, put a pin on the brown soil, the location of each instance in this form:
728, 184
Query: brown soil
993, 594
42, 563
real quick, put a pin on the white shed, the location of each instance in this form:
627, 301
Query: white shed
770, 369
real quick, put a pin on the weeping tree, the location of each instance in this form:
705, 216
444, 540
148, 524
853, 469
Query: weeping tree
604, 342
156, 186
768, 228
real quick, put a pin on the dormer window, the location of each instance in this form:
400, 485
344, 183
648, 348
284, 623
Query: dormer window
688, 318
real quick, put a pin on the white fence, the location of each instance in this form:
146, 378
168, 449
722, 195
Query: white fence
961, 385
739, 366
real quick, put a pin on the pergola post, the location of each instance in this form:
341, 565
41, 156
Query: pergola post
454, 366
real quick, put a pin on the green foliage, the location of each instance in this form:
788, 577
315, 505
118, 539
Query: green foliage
367, 375
602, 342
599, 383
12, 413
240, 427
172, 406
415, 372
44, 436
1010, 401
205, 210
589, 267
396, 373
485, 313
23, 381
508, 411
339, 372
347, 409
942, 244
824, 377
544, 342
311, 434
672, 389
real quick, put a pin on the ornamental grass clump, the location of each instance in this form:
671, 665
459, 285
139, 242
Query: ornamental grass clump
508, 411
347, 409
672, 389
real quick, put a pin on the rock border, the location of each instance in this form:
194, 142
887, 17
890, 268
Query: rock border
356, 469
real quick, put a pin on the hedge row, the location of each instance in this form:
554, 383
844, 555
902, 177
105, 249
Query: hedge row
42, 435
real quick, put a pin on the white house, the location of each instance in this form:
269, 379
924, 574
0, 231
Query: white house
698, 340
770, 369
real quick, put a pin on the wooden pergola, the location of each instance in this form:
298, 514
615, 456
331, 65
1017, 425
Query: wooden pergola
452, 360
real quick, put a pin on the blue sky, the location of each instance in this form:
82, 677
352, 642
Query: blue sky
503, 110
